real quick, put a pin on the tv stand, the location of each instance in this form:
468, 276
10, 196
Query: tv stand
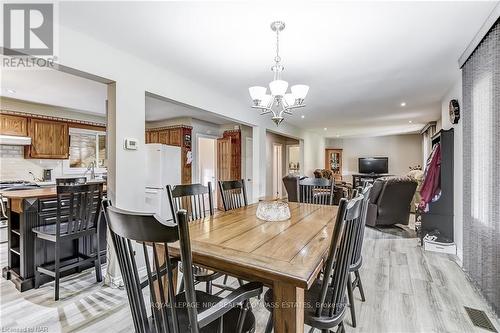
358, 178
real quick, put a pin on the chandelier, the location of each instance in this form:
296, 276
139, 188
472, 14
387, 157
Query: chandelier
279, 102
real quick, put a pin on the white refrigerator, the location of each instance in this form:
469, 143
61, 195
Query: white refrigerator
163, 167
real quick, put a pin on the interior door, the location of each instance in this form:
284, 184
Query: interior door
249, 168
207, 155
277, 170
224, 156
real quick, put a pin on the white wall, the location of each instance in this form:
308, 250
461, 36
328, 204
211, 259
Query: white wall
313, 146
455, 92
404, 151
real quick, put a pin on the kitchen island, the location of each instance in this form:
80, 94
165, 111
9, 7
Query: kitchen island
30, 208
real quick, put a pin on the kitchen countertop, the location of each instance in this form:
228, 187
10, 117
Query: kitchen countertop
42, 192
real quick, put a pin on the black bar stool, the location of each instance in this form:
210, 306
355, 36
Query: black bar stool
77, 216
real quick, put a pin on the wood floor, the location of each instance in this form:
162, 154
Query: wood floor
407, 290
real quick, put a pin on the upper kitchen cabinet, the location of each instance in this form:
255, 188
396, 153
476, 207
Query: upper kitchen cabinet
49, 139
175, 136
163, 137
13, 125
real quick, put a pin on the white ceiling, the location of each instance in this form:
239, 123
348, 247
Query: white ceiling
55, 88
361, 59
160, 109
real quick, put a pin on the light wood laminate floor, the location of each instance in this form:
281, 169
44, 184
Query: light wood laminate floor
407, 290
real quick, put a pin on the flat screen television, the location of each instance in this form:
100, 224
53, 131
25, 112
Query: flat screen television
373, 165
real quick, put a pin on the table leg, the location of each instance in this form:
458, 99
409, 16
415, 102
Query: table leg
289, 308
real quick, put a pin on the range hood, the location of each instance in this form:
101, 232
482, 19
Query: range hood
15, 140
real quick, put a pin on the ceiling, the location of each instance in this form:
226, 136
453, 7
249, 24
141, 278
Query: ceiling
360, 59
158, 108
55, 88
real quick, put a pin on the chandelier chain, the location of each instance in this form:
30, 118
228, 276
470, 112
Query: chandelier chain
278, 58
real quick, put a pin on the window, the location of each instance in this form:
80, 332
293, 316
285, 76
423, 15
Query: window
87, 147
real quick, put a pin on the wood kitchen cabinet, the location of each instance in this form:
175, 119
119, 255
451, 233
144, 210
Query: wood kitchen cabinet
153, 137
228, 159
49, 139
164, 137
13, 125
175, 137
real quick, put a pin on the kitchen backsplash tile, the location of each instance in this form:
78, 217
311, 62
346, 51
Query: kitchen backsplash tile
13, 165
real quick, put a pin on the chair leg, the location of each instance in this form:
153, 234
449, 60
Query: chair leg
243, 314
35, 263
56, 271
351, 300
225, 279
209, 287
269, 326
98, 271
76, 244
360, 286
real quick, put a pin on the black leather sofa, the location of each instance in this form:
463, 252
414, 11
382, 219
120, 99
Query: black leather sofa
390, 200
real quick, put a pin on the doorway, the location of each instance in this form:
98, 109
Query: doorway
207, 164
277, 170
249, 168
293, 159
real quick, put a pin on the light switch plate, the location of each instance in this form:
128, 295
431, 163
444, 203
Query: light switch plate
131, 144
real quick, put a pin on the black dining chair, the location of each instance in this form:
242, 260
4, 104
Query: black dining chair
357, 259
71, 181
77, 211
326, 299
197, 200
316, 191
233, 193
154, 305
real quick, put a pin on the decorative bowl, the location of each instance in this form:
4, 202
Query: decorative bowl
273, 211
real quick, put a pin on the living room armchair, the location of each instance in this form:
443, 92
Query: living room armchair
390, 201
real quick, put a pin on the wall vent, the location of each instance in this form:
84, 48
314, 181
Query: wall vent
480, 319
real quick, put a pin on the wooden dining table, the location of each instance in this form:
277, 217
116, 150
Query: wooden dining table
286, 256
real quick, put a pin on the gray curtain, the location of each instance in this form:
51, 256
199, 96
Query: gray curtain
481, 140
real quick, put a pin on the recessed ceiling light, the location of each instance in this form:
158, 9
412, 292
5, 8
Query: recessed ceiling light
410, 121
325, 129
403, 104
302, 116
11, 91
